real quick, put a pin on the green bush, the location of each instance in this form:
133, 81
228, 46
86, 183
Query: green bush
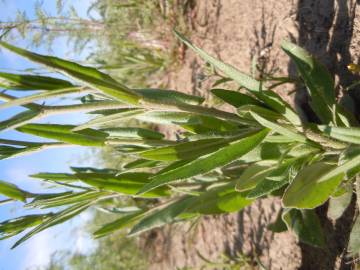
221, 162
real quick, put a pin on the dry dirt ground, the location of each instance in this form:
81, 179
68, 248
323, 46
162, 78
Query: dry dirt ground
236, 31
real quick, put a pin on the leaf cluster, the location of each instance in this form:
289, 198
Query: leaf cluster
220, 163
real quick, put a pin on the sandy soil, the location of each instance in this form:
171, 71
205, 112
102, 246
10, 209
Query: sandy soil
236, 31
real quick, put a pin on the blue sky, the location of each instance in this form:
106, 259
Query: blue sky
37, 250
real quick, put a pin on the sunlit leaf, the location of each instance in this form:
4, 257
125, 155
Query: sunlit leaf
207, 163
12, 191
307, 190
56, 219
161, 217
31, 82
317, 79
64, 133
86, 75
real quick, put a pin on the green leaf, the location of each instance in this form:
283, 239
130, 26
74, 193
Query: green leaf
7, 151
207, 163
31, 82
190, 121
131, 132
253, 175
342, 169
266, 187
350, 135
39, 96
141, 163
65, 134
231, 72
94, 170
111, 119
338, 205
65, 199
317, 79
12, 191
276, 103
279, 225
15, 226
56, 219
269, 98
118, 224
279, 129
86, 75
185, 150
63, 177
125, 183
18, 120
161, 217
169, 96
245, 112
235, 99
354, 239
307, 191
218, 200
306, 225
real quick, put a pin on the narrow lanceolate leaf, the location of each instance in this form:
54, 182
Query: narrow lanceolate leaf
341, 170
118, 224
218, 200
65, 199
64, 133
253, 175
86, 75
190, 121
231, 72
207, 163
350, 135
63, 177
57, 218
279, 129
265, 187
185, 150
125, 183
169, 96
15, 226
354, 240
271, 99
317, 79
306, 225
141, 163
307, 190
18, 120
234, 98
111, 119
31, 82
40, 96
94, 170
12, 191
276, 103
7, 151
162, 216
245, 110
130, 132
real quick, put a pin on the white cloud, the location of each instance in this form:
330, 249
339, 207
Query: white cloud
38, 250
